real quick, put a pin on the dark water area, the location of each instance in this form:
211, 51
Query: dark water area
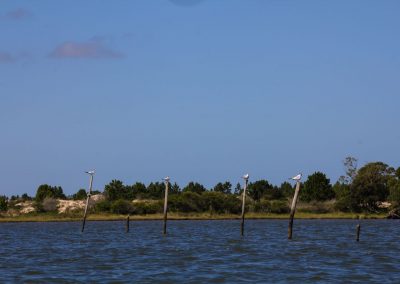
322, 251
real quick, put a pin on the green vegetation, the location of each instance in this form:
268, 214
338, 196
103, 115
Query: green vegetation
80, 195
317, 187
374, 189
46, 190
3, 203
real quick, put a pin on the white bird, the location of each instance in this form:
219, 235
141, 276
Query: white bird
298, 177
166, 179
246, 176
90, 172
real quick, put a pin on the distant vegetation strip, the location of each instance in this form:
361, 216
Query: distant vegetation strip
372, 190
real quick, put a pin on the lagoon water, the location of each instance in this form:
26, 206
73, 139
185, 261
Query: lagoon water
201, 252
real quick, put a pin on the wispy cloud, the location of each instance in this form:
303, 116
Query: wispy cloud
18, 14
94, 49
6, 57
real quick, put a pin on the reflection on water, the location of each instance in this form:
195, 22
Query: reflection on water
201, 251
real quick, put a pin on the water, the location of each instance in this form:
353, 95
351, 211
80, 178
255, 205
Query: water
201, 252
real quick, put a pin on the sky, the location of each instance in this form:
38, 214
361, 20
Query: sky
199, 90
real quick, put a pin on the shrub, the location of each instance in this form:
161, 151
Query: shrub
262, 206
343, 202
272, 206
317, 207
213, 201
38, 206
102, 206
121, 206
232, 204
186, 202
343, 205
279, 206
143, 208
49, 204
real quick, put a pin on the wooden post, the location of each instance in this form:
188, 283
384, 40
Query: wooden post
293, 209
87, 202
166, 205
358, 229
246, 179
127, 224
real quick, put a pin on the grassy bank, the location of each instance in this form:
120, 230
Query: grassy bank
180, 216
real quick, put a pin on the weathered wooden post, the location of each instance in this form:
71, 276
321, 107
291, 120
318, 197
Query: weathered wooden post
246, 180
358, 229
91, 173
166, 180
127, 224
294, 203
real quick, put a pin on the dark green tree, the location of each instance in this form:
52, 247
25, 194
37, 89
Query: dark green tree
259, 188
156, 190
25, 197
274, 193
370, 186
80, 195
3, 203
174, 189
317, 187
238, 189
122, 206
194, 187
225, 187
342, 188
394, 191
46, 190
116, 190
139, 190
398, 173
286, 189
14, 197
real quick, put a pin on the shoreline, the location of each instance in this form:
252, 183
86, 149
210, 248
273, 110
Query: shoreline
187, 217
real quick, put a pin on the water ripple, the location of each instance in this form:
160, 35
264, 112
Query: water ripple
322, 251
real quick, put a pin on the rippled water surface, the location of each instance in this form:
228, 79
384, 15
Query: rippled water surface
201, 252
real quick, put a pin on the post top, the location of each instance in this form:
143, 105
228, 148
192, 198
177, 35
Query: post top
298, 177
92, 172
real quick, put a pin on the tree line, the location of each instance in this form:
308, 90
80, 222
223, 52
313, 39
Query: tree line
358, 190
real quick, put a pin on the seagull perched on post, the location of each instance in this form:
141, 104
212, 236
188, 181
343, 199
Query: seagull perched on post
298, 177
92, 172
246, 176
166, 179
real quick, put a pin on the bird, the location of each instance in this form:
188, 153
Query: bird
246, 176
297, 178
166, 179
92, 172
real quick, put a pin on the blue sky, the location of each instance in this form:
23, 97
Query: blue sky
202, 90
